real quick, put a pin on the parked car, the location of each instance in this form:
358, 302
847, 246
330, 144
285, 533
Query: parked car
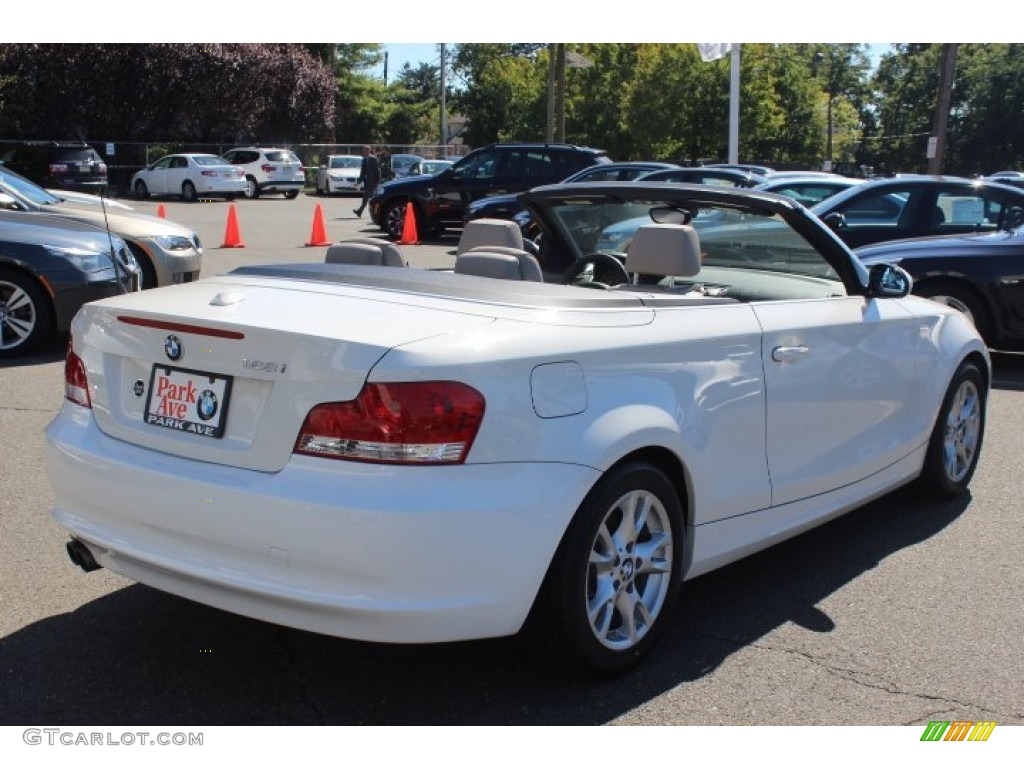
430, 167
981, 274
166, 252
49, 268
73, 165
1013, 178
268, 169
440, 201
906, 207
756, 170
189, 175
409, 455
509, 207
808, 190
339, 174
722, 177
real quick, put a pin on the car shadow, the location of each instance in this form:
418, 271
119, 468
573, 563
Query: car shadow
139, 656
51, 350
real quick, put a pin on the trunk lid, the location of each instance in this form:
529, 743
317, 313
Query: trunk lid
225, 370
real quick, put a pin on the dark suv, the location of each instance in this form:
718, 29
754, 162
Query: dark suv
56, 165
441, 200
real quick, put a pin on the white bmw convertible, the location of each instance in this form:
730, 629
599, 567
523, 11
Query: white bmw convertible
547, 443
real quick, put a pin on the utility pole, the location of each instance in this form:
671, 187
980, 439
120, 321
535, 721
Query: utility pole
549, 134
444, 109
937, 141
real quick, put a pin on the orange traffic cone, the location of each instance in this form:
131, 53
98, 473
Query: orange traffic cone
232, 237
319, 233
161, 211
409, 235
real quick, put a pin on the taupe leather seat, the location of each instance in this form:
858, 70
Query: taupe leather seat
507, 265
367, 251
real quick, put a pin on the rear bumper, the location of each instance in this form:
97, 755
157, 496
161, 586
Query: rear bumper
281, 186
387, 554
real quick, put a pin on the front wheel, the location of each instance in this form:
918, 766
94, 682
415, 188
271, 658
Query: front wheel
24, 314
393, 219
609, 592
955, 444
141, 191
188, 192
291, 194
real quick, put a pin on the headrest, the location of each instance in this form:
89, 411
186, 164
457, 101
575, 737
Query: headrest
500, 232
664, 249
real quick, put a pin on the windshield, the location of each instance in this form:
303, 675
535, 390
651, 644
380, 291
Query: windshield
729, 237
209, 160
346, 162
282, 156
19, 186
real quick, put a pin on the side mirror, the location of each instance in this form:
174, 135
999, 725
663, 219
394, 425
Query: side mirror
834, 221
888, 281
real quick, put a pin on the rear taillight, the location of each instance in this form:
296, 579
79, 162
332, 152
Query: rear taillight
58, 167
208, 173
429, 422
102, 167
266, 168
76, 383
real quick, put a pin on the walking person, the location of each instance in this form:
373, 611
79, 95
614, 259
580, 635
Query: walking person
369, 177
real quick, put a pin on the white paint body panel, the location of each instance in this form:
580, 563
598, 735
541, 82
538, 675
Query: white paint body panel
767, 449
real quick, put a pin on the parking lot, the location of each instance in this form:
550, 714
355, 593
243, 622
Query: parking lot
899, 613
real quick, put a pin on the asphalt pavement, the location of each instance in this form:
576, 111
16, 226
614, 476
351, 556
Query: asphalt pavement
898, 613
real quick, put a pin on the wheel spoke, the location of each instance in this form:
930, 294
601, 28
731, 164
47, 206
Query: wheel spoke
626, 603
18, 300
20, 327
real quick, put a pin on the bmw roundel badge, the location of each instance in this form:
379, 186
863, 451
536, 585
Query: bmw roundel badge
206, 405
172, 346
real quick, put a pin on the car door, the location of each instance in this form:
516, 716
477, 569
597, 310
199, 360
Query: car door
891, 212
177, 173
156, 177
842, 372
472, 178
839, 390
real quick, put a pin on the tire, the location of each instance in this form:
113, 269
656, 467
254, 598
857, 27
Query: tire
610, 589
393, 219
291, 194
141, 190
188, 192
147, 274
961, 299
25, 314
252, 189
955, 444
229, 198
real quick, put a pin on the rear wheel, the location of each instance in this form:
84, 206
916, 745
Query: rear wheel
291, 194
609, 592
188, 192
252, 189
956, 439
24, 313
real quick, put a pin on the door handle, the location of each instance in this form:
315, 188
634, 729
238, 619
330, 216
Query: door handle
789, 354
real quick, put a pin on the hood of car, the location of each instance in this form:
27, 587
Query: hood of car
41, 229
124, 223
939, 244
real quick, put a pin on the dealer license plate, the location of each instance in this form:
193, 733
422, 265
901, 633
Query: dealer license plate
188, 401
